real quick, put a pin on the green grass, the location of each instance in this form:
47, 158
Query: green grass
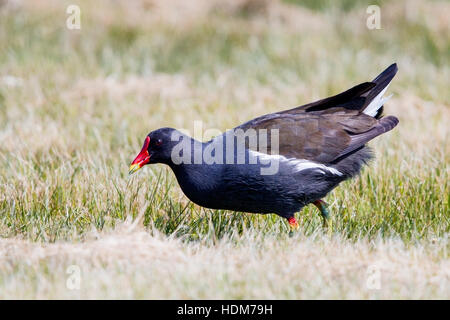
368, 207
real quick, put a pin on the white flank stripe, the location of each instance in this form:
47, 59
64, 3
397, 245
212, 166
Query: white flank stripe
376, 103
297, 164
305, 164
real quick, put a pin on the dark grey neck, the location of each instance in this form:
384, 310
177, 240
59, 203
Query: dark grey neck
194, 176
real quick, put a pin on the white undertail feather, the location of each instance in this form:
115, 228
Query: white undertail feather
297, 164
377, 103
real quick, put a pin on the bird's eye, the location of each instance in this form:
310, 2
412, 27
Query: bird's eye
158, 142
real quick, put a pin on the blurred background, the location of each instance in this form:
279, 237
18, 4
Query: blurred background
78, 96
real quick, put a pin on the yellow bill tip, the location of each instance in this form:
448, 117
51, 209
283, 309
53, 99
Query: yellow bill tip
133, 168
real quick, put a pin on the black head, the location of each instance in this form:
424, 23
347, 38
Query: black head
157, 148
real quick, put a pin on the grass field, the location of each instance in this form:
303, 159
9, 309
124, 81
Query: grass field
75, 106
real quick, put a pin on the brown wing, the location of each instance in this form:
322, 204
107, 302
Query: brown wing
327, 129
311, 135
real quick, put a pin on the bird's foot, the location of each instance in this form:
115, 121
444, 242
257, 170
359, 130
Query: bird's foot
293, 225
323, 207
324, 223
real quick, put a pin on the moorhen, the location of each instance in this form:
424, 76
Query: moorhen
280, 162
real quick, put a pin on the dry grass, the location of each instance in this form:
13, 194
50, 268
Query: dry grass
76, 105
131, 263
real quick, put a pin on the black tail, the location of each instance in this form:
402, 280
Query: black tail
381, 82
357, 98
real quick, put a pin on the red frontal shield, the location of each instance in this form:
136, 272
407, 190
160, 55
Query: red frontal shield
142, 158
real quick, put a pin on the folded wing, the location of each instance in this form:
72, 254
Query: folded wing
329, 129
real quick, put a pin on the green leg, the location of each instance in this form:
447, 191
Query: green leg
322, 206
